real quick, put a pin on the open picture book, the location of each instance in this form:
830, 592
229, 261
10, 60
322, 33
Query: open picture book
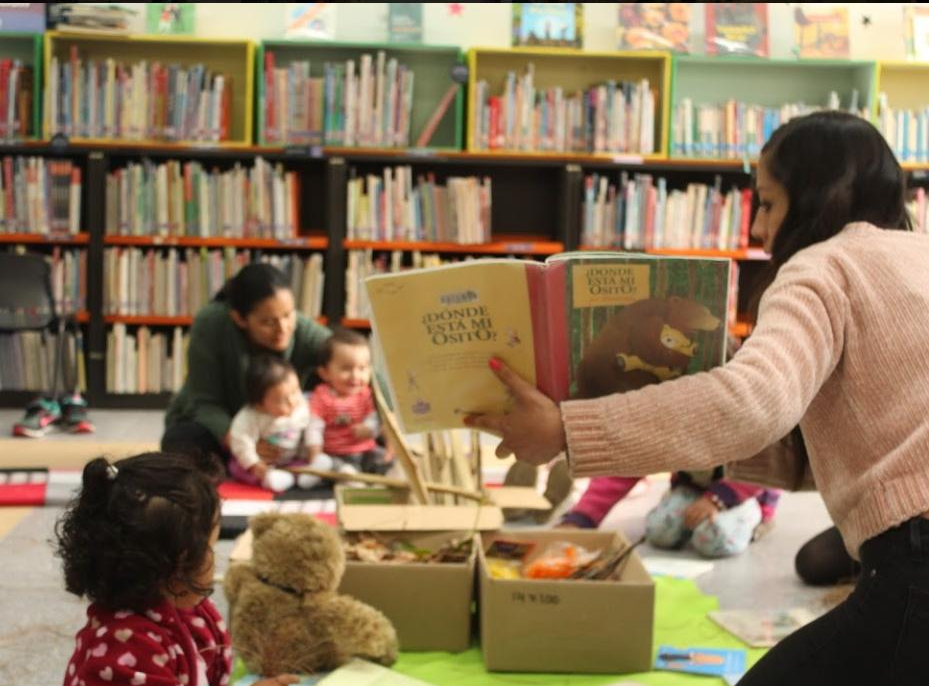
580, 325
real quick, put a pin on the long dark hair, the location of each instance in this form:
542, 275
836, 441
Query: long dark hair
252, 284
138, 525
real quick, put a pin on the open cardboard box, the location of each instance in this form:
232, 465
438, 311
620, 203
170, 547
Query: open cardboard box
530, 625
428, 604
385, 509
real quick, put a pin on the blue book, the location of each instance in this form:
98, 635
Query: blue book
707, 661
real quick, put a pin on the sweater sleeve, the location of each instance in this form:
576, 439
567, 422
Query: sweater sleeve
729, 413
781, 465
243, 437
204, 381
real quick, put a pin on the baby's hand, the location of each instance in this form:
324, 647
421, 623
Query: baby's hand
279, 680
259, 470
362, 432
268, 452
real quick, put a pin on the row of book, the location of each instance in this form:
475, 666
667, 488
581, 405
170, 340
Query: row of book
737, 130
390, 207
28, 359
186, 199
906, 131
640, 212
68, 277
365, 263
39, 195
617, 117
16, 101
370, 106
144, 100
177, 283
918, 208
144, 362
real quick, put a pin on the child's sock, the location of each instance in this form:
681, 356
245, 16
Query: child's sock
278, 480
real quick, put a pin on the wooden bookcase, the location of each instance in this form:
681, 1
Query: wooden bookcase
431, 64
234, 58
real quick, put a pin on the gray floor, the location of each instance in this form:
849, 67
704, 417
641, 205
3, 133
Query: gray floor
38, 619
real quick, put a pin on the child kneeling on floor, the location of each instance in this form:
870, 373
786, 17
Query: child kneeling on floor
719, 518
344, 424
277, 413
138, 543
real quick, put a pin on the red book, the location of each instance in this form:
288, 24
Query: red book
746, 218
4, 97
737, 28
269, 104
493, 129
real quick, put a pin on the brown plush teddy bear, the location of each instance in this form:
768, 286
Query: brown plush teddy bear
285, 613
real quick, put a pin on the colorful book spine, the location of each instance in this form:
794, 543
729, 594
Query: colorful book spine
140, 361
365, 263
39, 195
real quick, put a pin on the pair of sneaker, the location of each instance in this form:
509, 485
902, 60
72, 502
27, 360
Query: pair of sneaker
68, 413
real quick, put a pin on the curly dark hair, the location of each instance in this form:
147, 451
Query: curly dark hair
137, 526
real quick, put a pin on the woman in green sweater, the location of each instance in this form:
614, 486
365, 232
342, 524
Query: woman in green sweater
253, 313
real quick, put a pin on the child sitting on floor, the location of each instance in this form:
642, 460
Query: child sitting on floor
138, 543
718, 517
344, 422
277, 412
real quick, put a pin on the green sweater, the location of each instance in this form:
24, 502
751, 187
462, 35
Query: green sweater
217, 359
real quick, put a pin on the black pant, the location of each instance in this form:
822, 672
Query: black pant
878, 637
191, 438
823, 560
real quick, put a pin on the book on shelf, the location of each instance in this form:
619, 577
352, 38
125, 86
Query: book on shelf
187, 199
84, 17
27, 361
580, 325
821, 30
549, 24
143, 100
390, 207
16, 100
906, 131
405, 22
365, 263
313, 20
918, 210
613, 117
916, 31
69, 279
640, 212
176, 18
737, 28
365, 104
738, 130
25, 17
763, 628
145, 362
178, 282
39, 195
654, 26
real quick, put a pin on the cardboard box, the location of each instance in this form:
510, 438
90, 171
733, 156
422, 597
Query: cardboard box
428, 604
595, 627
386, 509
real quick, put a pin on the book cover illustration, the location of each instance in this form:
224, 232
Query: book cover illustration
737, 28
28, 17
763, 628
821, 30
405, 22
706, 661
916, 27
170, 17
552, 24
654, 26
310, 20
581, 325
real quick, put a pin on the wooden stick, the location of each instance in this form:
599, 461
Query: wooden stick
401, 448
378, 480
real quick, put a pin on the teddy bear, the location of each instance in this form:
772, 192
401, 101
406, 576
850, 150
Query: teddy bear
285, 613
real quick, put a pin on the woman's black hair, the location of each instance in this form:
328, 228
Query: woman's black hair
252, 284
139, 527
265, 371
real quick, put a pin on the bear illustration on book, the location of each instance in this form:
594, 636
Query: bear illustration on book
646, 342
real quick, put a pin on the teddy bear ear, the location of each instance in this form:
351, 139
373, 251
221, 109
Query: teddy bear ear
262, 522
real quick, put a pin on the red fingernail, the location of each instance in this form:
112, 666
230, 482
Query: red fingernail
495, 364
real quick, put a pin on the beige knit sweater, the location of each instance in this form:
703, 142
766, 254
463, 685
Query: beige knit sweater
841, 347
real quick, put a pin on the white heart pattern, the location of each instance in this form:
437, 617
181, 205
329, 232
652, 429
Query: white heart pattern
224, 681
198, 622
101, 631
184, 679
126, 660
138, 679
152, 615
71, 669
94, 623
122, 614
160, 660
221, 625
155, 637
107, 674
99, 651
123, 635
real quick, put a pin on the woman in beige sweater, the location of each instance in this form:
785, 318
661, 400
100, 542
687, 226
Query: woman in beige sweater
840, 348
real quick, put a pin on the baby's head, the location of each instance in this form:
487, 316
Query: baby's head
272, 386
345, 362
141, 530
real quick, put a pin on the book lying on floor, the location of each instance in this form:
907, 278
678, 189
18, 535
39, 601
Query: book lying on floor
708, 661
763, 628
580, 325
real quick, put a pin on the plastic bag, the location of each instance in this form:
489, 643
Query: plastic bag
559, 560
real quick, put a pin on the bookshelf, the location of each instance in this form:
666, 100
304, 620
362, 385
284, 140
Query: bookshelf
571, 70
231, 58
432, 66
27, 48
